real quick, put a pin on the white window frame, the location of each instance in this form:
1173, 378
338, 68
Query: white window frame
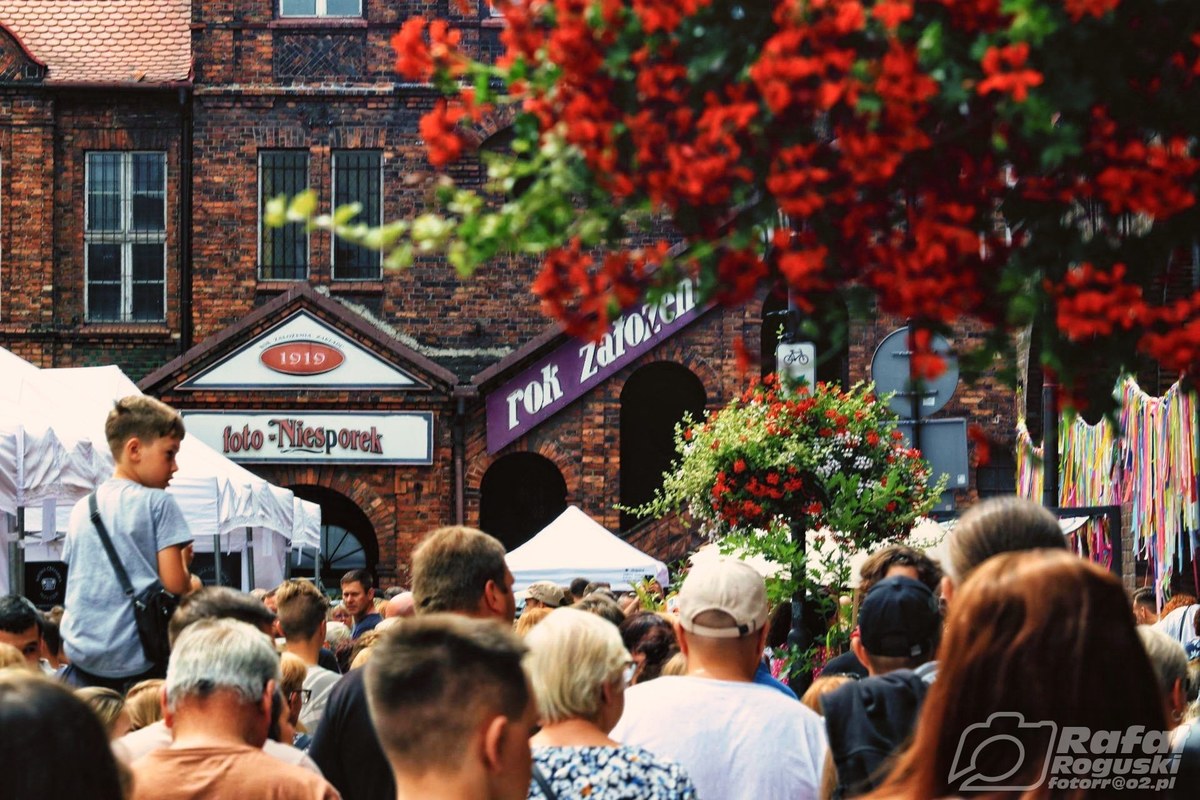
126, 237
322, 12
334, 204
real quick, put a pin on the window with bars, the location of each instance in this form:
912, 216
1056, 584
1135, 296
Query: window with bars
283, 251
125, 236
358, 178
320, 8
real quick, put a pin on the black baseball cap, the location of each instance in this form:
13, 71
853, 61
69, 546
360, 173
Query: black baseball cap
900, 618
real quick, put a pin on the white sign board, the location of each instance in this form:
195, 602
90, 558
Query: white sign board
331, 437
798, 361
302, 352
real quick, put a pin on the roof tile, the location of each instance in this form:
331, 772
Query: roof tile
105, 40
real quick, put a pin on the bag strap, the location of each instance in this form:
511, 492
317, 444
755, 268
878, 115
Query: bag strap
122, 575
543, 784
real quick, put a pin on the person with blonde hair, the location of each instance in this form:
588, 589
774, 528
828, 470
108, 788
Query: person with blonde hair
529, 619
11, 657
109, 706
144, 704
579, 669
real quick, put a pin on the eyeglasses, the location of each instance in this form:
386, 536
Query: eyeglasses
305, 694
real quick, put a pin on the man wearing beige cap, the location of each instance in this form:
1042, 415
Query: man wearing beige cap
736, 739
543, 594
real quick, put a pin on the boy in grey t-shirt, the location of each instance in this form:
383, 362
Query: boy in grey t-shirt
150, 537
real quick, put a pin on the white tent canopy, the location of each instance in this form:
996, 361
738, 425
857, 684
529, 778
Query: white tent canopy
575, 545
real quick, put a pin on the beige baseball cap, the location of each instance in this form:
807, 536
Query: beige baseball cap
728, 585
546, 592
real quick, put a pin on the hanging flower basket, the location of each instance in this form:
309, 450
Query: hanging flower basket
779, 459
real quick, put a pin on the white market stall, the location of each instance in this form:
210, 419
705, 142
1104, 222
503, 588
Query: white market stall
575, 545
53, 452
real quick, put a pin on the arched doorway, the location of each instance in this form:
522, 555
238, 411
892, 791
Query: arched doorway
347, 538
520, 494
828, 329
653, 401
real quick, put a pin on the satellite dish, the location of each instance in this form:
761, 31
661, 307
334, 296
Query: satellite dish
891, 372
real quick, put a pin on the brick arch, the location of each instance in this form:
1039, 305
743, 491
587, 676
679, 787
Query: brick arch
566, 463
380, 513
675, 353
477, 135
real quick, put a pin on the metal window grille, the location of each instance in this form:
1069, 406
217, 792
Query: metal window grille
125, 234
358, 178
282, 252
320, 8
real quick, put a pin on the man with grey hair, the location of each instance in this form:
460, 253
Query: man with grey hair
218, 698
211, 602
1169, 660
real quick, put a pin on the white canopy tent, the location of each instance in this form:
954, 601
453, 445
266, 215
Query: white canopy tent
53, 452
575, 545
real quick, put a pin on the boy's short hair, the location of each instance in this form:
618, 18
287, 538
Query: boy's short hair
451, 568
17, 614
143, 417
301, 613
432, 680
359, 576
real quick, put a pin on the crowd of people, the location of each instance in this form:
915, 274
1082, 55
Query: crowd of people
1014, 667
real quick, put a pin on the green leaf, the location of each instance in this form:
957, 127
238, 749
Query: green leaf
303, 206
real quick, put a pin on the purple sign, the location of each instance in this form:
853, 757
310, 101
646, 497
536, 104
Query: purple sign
551, 384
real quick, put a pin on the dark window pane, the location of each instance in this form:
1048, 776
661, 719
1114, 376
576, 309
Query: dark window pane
297, 8
284, 253
149, 213
104, 262
104, 172
148, 172
343, 8
147, 262
147, 302
357, 180
104, 302
104, 191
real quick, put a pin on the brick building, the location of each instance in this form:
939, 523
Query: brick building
138, 140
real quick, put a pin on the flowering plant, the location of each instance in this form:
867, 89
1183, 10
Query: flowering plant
829, 457
779, 458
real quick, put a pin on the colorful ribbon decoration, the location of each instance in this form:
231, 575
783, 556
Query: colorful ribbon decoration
1088, 475
1151, 465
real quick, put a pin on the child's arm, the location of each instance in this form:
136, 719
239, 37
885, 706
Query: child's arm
172, 570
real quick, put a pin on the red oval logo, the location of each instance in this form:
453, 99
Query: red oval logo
302, 358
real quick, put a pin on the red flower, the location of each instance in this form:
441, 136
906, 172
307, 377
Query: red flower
1076, 9
412, 54
1002, 66
739, 466
438, 129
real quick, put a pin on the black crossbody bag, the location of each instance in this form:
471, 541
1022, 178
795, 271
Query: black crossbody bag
152, 607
